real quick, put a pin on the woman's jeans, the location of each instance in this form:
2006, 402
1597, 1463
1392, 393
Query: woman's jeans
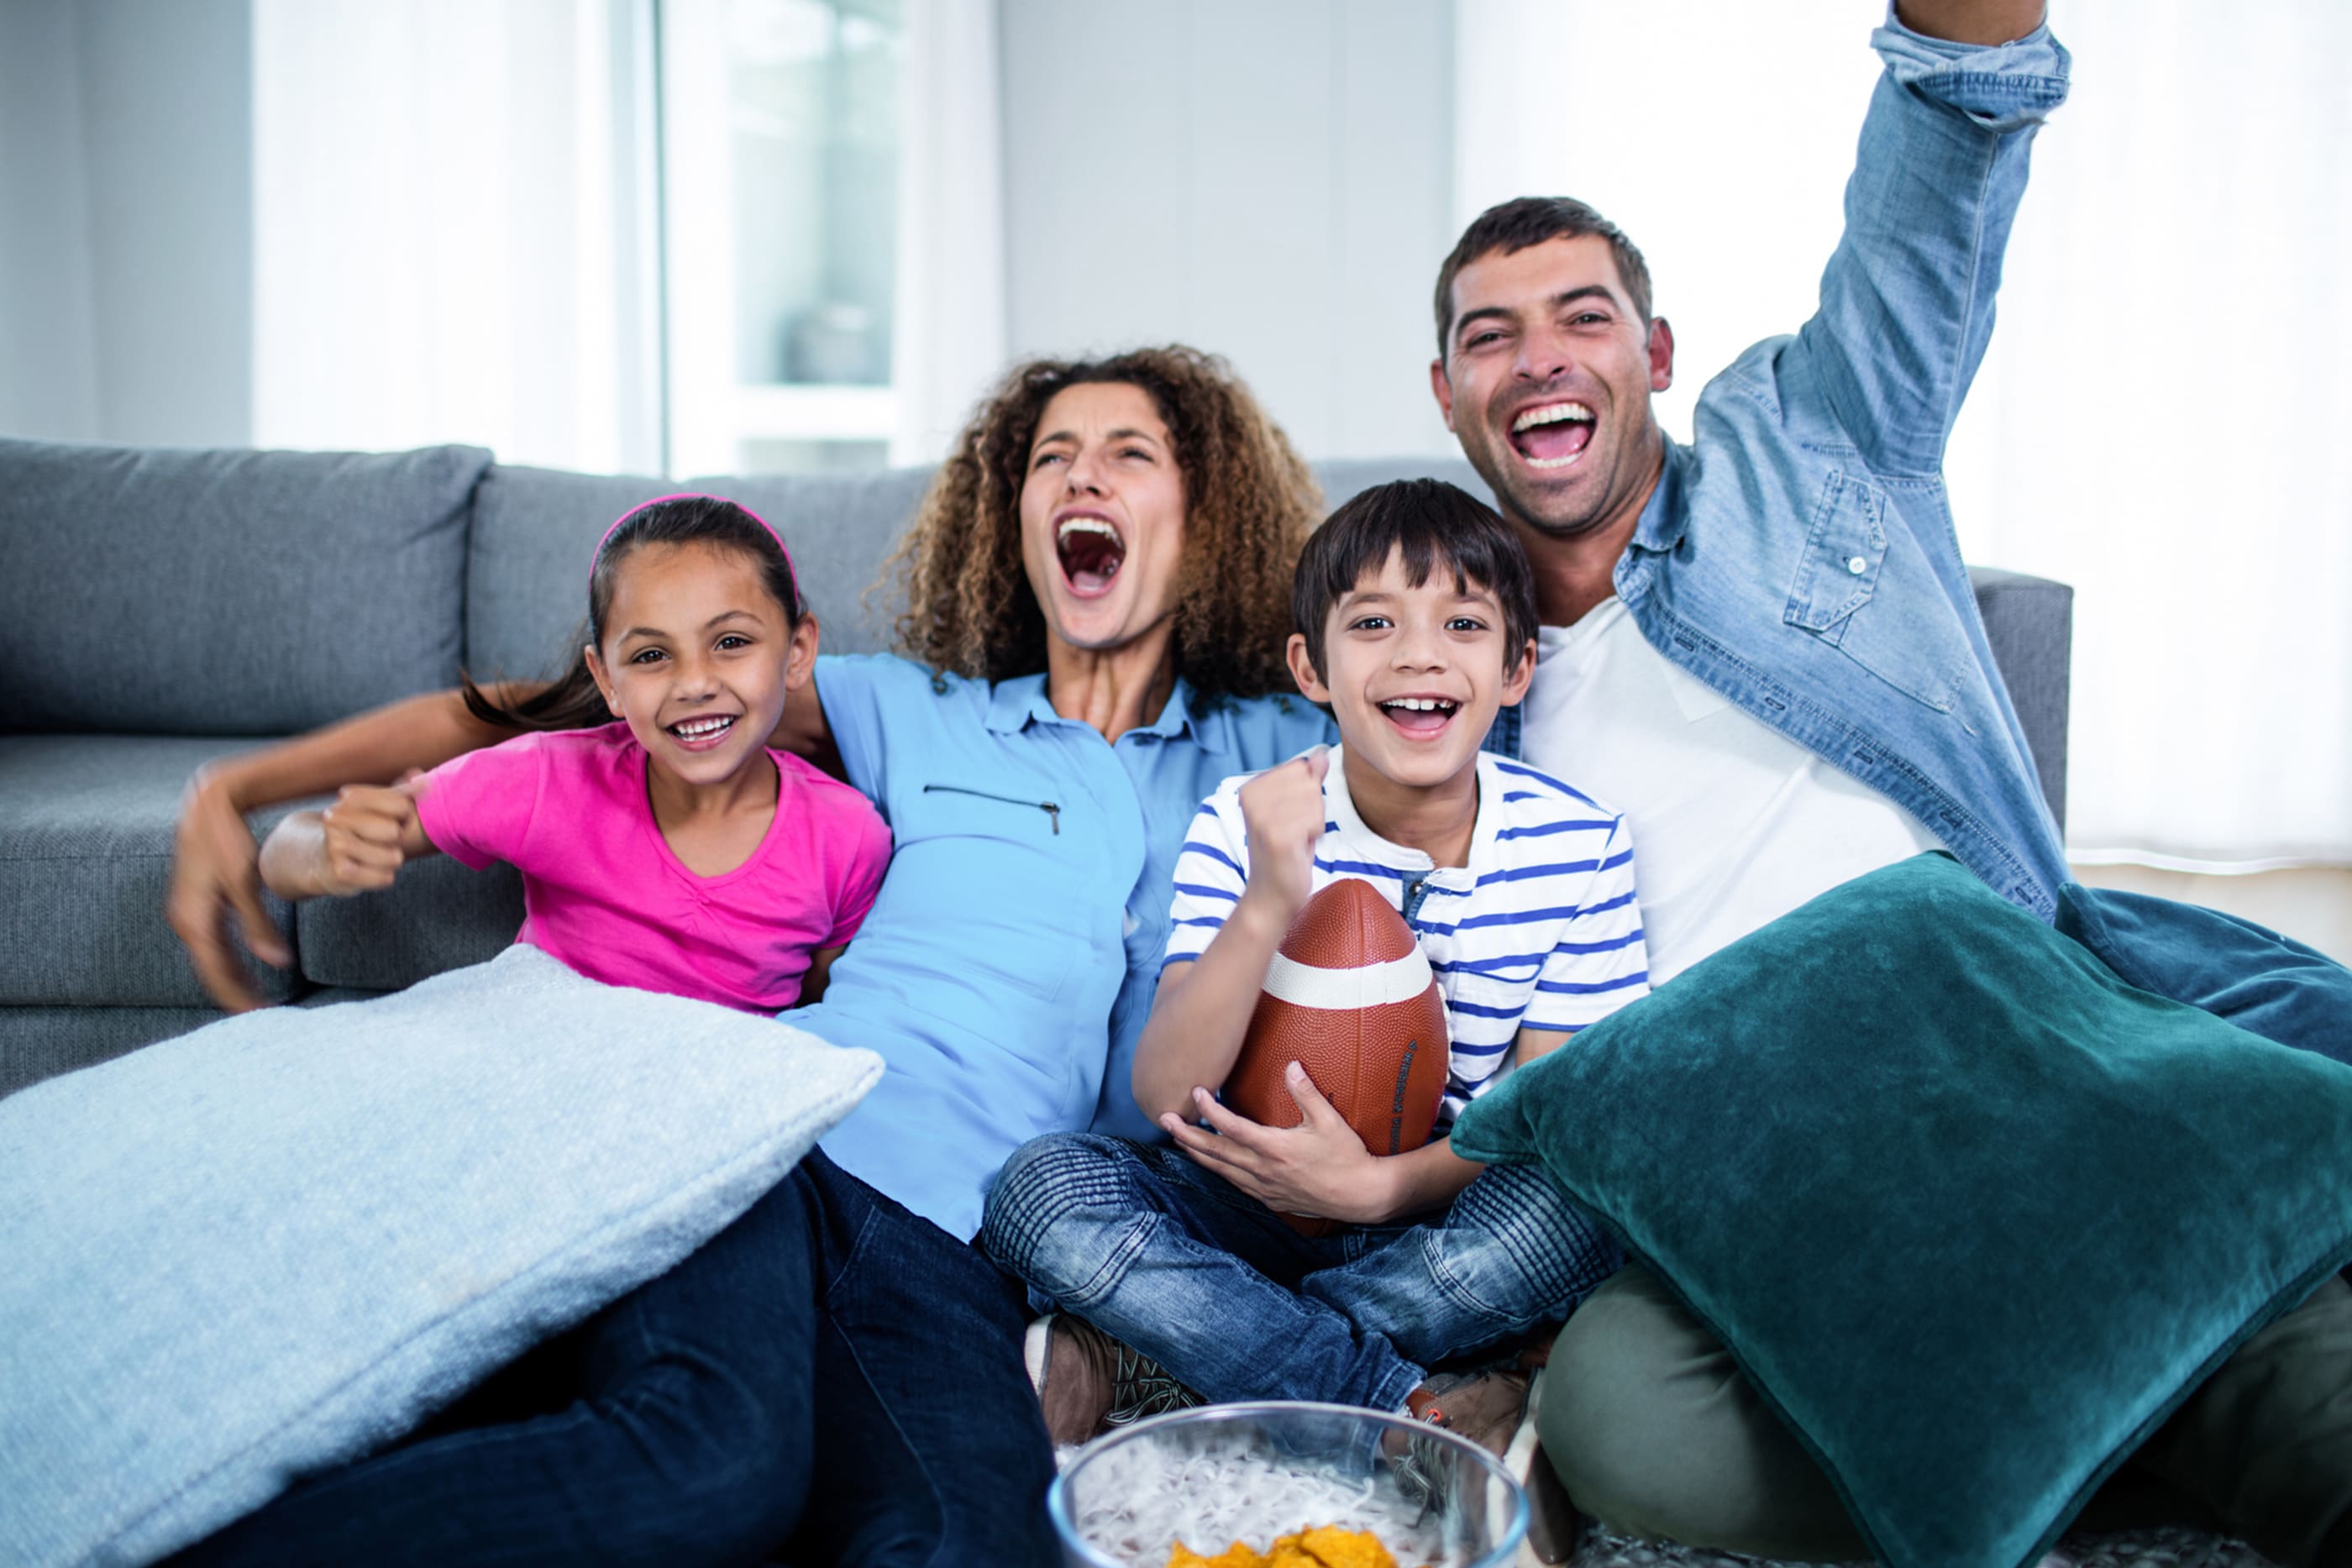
1180, 1264
830, 1380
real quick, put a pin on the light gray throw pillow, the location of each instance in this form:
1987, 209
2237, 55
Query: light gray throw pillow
271, 1246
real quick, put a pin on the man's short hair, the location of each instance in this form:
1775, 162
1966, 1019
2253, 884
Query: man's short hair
1512, 226
1429, 524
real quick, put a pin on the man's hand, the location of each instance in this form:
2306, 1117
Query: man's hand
1319, 1167
1971, 21
1282, 808
216, 885
364, 838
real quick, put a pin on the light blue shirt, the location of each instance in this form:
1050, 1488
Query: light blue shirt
1009, 963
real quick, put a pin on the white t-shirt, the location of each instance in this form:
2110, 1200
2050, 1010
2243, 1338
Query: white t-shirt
1734, 824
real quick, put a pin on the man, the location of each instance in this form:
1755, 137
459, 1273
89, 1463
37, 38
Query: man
1763, 647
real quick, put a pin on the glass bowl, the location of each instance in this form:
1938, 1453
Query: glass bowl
1250, 1472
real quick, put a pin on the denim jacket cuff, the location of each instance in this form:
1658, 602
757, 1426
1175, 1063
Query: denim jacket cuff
2002, 87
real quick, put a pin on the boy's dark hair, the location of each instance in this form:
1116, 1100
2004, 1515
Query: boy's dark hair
1429, 524
1512, 226
572, 702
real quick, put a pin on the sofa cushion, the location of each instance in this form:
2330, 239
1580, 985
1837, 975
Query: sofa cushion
1345, 478
227, 592
527, 570
1854, 1141
264, 1249
841, 528
38, 1042
85, 825
527, 565
533, 528
439, 915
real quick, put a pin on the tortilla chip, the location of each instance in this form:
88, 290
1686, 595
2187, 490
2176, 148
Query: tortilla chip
1329, 1546
1234, 1556
1325, 1546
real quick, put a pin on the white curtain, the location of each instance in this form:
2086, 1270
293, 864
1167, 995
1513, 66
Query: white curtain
948, 341
2162, 420
451, 241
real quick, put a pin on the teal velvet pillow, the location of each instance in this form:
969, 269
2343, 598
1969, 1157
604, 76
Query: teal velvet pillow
1971, 1213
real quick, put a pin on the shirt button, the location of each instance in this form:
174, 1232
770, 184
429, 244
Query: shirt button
1857, 565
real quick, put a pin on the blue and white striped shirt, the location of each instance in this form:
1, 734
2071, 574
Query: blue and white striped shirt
1540, 930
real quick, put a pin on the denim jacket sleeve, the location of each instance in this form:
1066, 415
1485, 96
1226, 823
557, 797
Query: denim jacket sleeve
1907, 298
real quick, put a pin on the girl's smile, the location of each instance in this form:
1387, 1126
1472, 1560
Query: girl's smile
698, 658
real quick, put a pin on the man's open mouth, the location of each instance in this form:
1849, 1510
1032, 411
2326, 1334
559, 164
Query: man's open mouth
1419, 715
702, 733
1090, 552
1553, 436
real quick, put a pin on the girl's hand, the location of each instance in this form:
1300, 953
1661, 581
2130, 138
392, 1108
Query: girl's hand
364, 838
1319, 1167
1282, 808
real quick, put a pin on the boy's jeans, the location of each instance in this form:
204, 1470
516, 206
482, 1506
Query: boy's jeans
1178, 1263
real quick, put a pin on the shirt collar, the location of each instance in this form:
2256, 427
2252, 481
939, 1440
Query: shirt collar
1348, 826
1014, 704
1664, 517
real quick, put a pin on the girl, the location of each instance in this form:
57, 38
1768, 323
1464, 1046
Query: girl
673, 851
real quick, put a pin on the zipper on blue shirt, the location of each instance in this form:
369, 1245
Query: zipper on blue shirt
1053, 810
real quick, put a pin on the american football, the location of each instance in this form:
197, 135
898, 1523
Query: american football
1350, 999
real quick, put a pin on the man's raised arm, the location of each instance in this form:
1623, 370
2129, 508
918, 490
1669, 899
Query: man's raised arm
1978, 22
1907, 298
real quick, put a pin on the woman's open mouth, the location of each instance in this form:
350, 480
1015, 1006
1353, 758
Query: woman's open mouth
1420, 718
1553, 436
1091, 552
705, 732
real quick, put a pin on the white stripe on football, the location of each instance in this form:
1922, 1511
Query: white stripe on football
1343, 990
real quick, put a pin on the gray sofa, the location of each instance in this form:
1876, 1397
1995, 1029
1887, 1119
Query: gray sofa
161, 608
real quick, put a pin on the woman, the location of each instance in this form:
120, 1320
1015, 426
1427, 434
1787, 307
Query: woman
1098, 586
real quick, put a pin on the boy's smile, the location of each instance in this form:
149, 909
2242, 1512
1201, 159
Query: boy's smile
1414, 673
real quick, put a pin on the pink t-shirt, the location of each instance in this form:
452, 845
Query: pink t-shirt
603, 893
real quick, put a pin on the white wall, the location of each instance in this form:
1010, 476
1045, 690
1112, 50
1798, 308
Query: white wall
1271, 182
48, 363
126, 217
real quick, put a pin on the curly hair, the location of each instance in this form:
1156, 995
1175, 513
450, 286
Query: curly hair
1249, 504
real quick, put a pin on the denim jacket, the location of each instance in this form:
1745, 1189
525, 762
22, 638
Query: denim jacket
1799, 557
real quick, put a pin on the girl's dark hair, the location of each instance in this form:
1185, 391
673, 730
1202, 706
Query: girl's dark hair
1434, 525
573, 702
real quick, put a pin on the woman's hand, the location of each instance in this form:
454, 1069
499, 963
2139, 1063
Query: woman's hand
1319, 1167
216, 886
217, 871
1282, 808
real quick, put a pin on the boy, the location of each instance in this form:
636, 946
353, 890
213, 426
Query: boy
1416, 621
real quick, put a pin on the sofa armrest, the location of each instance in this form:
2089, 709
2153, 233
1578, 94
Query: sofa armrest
2029, 621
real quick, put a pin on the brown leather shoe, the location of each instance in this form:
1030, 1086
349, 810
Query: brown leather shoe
1485, 1408
1496, 1410
1090, 1382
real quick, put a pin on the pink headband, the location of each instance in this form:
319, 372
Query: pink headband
697, 495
